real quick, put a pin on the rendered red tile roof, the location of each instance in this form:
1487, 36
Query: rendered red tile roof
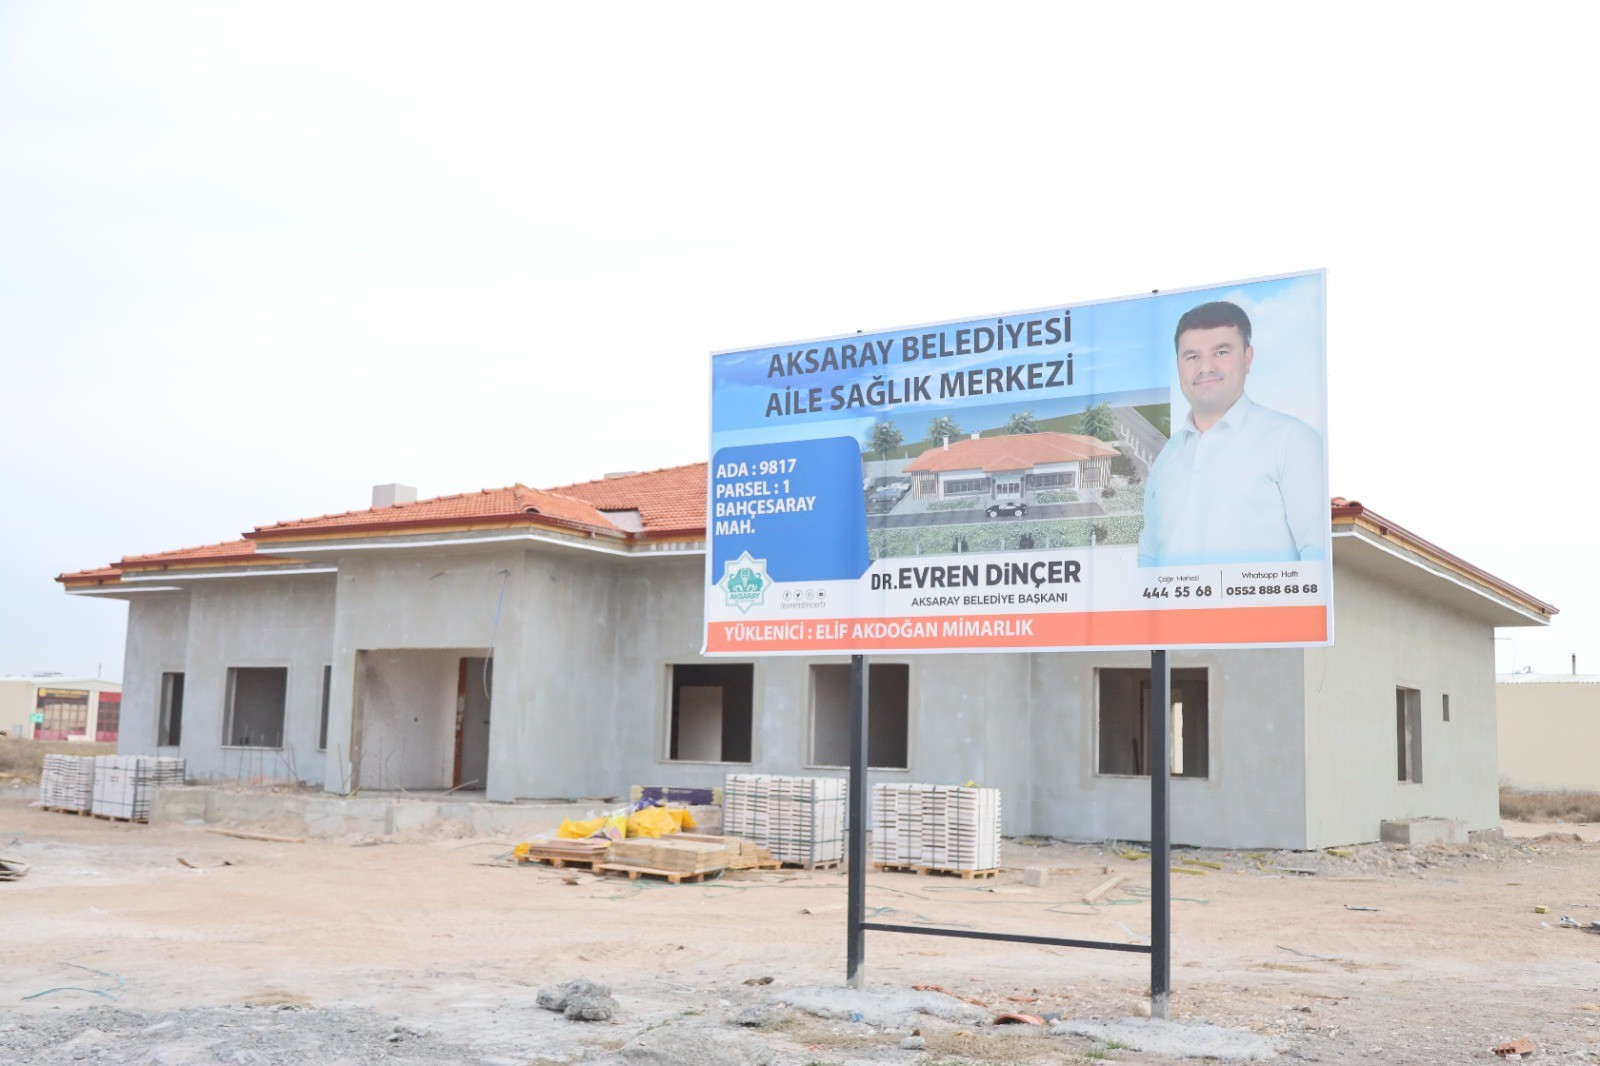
1017, 451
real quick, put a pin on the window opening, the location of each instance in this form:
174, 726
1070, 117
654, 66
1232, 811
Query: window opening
710, 712
256, 698
170, 728
1124, 722
888, 718
1408, 733
327, 692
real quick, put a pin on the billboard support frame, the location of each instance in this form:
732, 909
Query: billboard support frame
1160, 947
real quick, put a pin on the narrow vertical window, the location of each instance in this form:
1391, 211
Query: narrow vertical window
170, 728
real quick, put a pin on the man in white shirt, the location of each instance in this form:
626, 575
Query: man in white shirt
1238, 482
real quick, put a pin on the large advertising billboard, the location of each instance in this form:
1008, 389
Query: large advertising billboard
1145, 472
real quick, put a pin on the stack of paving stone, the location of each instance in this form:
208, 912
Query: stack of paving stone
941, 827
801, 819
667, 855
66, 783
124, 785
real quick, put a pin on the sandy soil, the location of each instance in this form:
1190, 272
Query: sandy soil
172, 944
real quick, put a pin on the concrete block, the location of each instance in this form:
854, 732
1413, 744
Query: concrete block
1035, 876
1419, 831
177, 805
411, 814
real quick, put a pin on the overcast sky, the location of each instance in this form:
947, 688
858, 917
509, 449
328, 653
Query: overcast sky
256, 258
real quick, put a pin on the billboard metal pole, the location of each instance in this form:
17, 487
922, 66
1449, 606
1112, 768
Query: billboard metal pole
856, 931
1160, 837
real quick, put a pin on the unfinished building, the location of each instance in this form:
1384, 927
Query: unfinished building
543, 643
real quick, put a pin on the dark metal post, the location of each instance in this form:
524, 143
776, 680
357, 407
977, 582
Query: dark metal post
1160, 840
856, 905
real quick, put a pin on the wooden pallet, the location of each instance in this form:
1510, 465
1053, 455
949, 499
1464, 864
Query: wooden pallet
118, 818
965, 875
560, 862
66, 810
672, 876
825, 864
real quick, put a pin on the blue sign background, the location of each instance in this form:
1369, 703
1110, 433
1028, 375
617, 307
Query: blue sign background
827, 542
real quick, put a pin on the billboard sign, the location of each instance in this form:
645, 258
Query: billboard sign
1145, 472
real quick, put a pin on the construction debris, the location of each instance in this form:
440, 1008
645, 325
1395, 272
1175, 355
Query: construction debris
1094, 895
1515, 1049
13, 869
580, 1001
269, 837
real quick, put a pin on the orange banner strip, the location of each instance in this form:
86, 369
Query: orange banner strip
1145, 629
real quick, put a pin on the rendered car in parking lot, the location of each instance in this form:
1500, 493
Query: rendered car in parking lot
1007, 508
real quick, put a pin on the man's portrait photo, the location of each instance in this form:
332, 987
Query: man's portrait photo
1237, 482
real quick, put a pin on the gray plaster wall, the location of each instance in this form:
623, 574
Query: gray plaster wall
560, 736
278, 621
158, 642
963, 719
1387, 637
464, 602
1253, 795
407, 709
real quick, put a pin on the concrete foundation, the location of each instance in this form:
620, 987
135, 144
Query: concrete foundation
333, 816
1414, 831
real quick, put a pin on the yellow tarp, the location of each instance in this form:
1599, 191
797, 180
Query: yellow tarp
650, 822
659, 821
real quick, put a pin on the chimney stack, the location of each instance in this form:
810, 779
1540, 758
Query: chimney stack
392, 494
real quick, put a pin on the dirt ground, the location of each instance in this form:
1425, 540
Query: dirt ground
173, 944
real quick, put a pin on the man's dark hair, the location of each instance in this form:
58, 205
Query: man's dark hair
1213, 316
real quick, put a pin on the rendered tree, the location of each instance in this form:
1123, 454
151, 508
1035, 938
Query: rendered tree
1098, 421
885, 438
942, 427
1022, 422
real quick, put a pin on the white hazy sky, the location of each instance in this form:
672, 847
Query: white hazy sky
255, 258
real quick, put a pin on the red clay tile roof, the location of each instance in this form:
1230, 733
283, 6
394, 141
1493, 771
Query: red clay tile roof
673, 499
1017, 451
229, 550
511, 502
669, 501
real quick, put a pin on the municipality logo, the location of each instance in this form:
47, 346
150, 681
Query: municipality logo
744, 581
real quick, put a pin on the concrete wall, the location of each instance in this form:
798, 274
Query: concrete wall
17, 701
406, 704
158, 643
966, 716
1389, 637
1253, 795
283, 621
398, 600
1301, 746
1549, 734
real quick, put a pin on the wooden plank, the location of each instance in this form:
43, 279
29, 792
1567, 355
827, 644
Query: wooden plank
1103, 887
242, 835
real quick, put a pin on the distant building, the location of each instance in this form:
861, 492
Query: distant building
1549, 731
51, 707
539, 643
